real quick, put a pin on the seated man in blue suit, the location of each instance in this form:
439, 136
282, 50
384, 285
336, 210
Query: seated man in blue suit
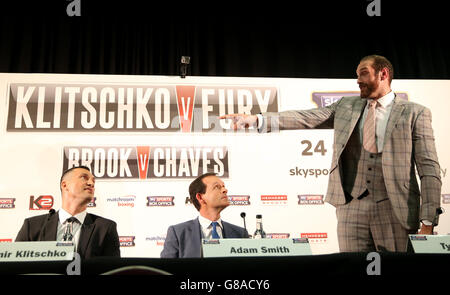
209, 196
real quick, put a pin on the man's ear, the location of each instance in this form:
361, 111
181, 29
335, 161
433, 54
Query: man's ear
63, 185
384, 74
199, 198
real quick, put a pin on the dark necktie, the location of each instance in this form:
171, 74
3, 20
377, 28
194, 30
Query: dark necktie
215, 235
68, 233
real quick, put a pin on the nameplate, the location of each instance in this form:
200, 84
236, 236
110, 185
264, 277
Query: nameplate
430, 243
255, 247
36, 251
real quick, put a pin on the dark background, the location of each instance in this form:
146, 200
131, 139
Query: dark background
298, 39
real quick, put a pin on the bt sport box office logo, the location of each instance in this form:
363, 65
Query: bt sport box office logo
148, 162
35, 107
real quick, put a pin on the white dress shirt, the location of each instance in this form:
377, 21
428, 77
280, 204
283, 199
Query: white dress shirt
382, 112
206, 227
62, 224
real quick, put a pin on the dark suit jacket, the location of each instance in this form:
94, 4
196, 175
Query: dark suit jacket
183, 240
98, 236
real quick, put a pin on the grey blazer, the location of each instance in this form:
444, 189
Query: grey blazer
183, 240
408, 145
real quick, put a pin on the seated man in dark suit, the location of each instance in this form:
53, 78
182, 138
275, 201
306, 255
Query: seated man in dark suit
92, 235
209, 196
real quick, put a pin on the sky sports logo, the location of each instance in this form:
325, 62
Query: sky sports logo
160, 201
92, 203
35, 107
7, 203
310, 199
239, 200
148, 162
127, 241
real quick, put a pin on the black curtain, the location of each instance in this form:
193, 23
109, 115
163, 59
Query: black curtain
323, 39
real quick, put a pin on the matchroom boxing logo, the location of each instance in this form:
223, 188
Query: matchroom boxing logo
151, 108
148, 162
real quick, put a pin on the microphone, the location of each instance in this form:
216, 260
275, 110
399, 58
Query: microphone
41, 233
243, 217
185, 61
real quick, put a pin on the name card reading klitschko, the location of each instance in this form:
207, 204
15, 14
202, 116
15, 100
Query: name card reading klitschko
255, 247
36, 251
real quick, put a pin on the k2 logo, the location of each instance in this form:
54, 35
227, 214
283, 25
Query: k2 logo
44, 202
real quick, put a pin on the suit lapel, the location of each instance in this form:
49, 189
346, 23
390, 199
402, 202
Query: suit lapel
356, 111
396, 112
225, 229
196, 236
51, 228
85, 235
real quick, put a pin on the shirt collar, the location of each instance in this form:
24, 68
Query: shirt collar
205, 222
63, 215
386, 100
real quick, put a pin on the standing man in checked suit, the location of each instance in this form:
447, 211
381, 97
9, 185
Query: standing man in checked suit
379, 142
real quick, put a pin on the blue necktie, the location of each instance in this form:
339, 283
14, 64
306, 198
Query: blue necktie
215, 235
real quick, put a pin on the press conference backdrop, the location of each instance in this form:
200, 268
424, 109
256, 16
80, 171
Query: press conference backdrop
147, 137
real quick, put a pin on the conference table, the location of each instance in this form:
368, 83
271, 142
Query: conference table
278, 273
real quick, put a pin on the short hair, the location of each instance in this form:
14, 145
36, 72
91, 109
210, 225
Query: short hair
198, 187
70, 170
379, 63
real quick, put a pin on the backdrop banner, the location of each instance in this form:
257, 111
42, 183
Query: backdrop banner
145, 138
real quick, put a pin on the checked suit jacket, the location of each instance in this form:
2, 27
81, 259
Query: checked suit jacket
98, 236
408, 145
